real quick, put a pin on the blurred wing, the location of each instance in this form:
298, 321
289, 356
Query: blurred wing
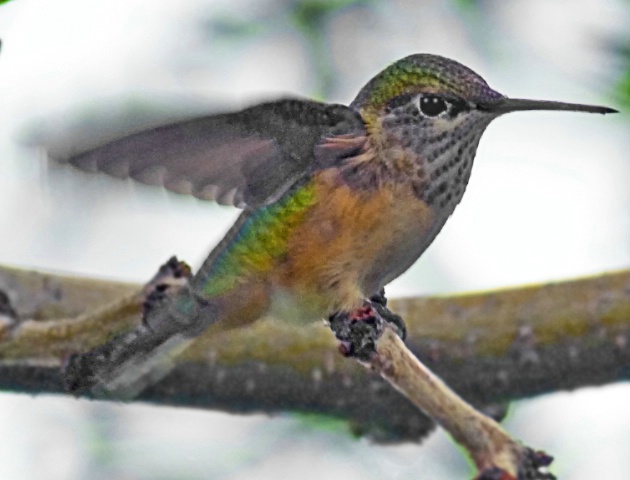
246, 158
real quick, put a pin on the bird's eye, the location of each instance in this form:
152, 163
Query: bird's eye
432, 105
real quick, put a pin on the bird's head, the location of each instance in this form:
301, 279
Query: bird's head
430, 96
436, 109
441, 94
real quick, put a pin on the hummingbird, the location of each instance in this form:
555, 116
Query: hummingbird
337, 200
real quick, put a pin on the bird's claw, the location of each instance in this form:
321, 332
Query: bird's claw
359, 330
394, 321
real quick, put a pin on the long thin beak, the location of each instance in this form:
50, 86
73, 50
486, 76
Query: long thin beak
506, 105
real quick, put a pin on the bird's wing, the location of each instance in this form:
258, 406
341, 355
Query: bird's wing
247, 158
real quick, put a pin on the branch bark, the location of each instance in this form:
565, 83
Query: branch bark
489, 347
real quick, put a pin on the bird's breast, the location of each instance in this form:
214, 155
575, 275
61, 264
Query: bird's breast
353, 241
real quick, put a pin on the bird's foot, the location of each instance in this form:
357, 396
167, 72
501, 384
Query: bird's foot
379, 302
359, 330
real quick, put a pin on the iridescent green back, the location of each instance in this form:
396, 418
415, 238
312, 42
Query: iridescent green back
255, 242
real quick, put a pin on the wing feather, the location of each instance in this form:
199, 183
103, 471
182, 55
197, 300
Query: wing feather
247, 158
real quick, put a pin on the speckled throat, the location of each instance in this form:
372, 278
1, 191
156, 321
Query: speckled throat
435, 159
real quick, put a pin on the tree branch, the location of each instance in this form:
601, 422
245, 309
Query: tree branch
367, 335
490, 347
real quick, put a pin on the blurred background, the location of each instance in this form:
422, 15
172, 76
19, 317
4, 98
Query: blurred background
548, 199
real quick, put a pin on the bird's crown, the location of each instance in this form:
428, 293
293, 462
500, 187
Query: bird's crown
423, 73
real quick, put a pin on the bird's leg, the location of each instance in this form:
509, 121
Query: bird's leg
358, 330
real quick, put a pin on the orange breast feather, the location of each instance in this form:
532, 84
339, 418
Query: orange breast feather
347, 234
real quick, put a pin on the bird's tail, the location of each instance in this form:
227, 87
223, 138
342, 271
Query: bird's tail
129, 363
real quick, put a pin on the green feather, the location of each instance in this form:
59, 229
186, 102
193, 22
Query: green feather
261, 240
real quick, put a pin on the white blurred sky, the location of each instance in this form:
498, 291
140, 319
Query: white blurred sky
548, 198
548, 194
